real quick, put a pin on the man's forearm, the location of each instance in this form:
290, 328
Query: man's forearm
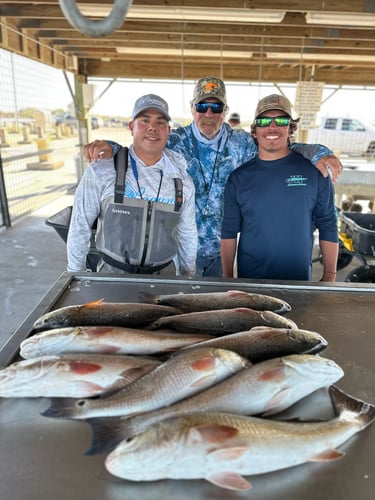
228, 252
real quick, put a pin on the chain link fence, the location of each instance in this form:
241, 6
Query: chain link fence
38, 136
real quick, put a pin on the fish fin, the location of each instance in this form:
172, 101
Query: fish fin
230, 453
87, 389
149, 298
327, 456
94, 303
105, 349
260, 328
236, 293
126, 378
274, 405
205, 381
83, 367
204, 364
65, 408
229, 481
107, 433
213, 433
274, 374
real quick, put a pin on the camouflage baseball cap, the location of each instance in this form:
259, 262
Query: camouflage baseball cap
274, 101
209, 86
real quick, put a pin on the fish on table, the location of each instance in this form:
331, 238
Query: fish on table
103, 313
263, 342
105, 340
180, 376
222, 448
74, 375
222, 321
265, 388
230, 299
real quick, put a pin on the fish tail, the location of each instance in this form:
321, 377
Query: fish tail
107, 433
65, 408
148, 298
344, 402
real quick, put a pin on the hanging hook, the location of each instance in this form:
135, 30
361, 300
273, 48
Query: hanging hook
95, 28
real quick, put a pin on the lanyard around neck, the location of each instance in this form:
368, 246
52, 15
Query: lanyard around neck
207, 185
135, 173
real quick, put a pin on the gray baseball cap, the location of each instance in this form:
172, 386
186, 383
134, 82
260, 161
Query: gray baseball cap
151, 101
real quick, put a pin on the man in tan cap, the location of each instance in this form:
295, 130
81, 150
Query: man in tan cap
274, 203
213, 149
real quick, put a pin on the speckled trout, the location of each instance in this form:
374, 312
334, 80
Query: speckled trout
76, 376
231, 299
222, 321
223, 447
102, 313
106, 340
179, 377
267, 387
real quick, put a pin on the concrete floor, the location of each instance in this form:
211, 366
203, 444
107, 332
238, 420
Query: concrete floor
33, 256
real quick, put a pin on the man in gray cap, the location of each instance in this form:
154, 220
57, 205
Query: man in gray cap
145, 213
213, 150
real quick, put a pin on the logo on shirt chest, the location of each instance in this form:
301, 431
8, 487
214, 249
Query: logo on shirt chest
296, 180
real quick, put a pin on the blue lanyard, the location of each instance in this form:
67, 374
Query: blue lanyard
135, 173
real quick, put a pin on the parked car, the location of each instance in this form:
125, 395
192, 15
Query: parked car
66, 119
96, 122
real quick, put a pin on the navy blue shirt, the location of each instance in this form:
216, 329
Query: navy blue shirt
276, 206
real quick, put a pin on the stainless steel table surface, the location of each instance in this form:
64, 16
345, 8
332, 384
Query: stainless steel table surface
43, 458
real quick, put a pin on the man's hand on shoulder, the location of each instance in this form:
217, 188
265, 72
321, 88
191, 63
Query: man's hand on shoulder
97, 150
332, 163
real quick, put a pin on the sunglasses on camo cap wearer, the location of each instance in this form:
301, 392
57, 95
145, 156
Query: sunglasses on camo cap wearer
216, 107
265, 121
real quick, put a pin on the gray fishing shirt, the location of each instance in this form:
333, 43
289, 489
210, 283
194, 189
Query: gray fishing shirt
97, 188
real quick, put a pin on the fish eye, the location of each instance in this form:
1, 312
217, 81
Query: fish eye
81, 403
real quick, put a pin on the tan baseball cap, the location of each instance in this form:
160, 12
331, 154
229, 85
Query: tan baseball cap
209, 86
274, 101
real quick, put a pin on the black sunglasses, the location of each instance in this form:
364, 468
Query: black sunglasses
216, 107
265, 121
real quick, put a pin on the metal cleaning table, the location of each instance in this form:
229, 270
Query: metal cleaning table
43, 459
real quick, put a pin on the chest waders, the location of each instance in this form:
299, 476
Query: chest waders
137, 235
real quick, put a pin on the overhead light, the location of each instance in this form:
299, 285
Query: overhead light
186, 52
341, 19
344, 58
197, 14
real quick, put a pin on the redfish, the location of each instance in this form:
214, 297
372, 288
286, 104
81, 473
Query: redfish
105, 340
75, 376
231, 299
222, 321
102, 313
262, 342
267, 387
222, 448
186, 373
